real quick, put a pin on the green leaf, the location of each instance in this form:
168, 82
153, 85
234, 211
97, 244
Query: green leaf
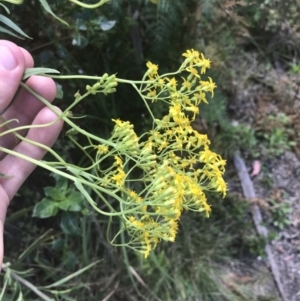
76, 197
69, 260
69, 205
13, 26
73, 202
34, 245
49, 10
16, 215
36, 71
69, 223
58, 244
6, 9
2, 29
68, 278
107, 25
80, 187
54, 193
61, 182
46, 208
75, 171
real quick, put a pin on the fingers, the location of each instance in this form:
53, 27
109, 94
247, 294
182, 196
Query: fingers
13, 61
29, 63
20, 169
26, 106
12, 66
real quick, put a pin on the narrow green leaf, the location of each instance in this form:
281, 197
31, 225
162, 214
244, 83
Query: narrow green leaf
13, 26
33, 246
14, 216
4, 30
49, 10
6, 8
68, 278
75, 171
80, 187
36, 71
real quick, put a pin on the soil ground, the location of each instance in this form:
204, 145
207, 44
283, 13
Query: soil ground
284, 191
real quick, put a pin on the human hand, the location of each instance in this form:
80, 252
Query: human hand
28, 110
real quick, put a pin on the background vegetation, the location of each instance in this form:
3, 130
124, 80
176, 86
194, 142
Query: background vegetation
254, 47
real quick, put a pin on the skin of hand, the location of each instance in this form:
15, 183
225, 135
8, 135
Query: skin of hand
28, 110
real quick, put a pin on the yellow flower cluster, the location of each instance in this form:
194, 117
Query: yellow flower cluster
173, 161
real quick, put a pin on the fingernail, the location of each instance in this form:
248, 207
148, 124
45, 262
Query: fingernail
7, 59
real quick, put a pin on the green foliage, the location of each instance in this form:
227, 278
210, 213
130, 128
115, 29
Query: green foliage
233, 138
257, 245
279, 214
276, 134
59, 198
14, 29
163, 24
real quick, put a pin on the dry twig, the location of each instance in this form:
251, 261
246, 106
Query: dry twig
249, 193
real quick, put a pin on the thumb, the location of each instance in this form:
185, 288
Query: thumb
12, 66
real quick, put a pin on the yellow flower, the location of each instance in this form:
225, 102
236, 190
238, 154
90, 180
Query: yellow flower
119, 176
118, 161
205, 63
152, 70
193, 109
118, 122
200, 97
191, 56
161, 82
151, 93
186, 84
208, 86
172, 82
193, 71
102, 149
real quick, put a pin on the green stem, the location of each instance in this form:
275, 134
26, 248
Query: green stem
89, 6
66, 119
142, 96
16, 2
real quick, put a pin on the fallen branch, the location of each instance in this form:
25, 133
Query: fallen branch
249, 193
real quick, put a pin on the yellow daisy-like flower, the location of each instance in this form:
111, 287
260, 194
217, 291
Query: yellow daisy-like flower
205, 64
152, 69
102, 149
118, 161
192, 56
186, 84
193, 71
208, 86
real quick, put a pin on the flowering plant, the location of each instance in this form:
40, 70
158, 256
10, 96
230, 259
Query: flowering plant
153, 178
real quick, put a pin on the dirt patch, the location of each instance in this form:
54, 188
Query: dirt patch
283, 191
